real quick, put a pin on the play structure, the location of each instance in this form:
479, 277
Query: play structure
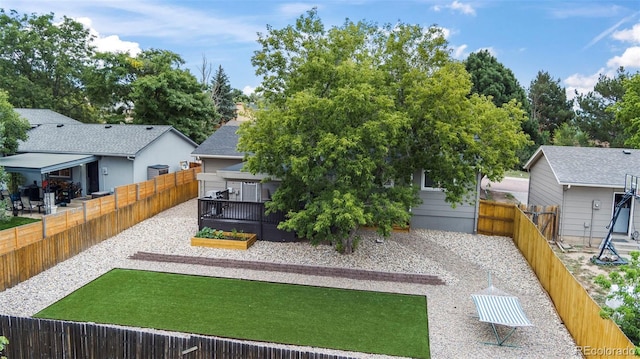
500, 308
608, 254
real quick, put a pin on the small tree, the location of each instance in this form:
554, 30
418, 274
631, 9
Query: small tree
627, 293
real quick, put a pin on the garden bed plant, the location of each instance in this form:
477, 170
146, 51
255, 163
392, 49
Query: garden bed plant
215, 238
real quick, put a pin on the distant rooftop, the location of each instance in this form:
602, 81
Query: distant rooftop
37, 117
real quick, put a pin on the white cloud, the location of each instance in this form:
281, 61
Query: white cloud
581, 83
248, 90
630, 58
463, 8
459, 52
111, 43
629, 35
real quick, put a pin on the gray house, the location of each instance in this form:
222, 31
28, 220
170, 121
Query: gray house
95, 157
221, 170
586, 182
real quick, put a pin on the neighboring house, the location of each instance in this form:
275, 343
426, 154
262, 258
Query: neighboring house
98, 157
221, 170
586, 182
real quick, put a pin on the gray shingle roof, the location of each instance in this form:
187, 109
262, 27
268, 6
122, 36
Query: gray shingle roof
221, 143
94, 139
589, 166
37, 116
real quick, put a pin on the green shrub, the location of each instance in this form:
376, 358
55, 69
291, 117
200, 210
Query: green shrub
3, 344
207, 232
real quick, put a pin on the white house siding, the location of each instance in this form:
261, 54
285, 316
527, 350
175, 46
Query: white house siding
436, 213
544, 189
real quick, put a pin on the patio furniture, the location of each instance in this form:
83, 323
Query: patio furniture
499, 308
28, 205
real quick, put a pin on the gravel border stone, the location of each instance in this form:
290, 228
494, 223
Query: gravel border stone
462, 261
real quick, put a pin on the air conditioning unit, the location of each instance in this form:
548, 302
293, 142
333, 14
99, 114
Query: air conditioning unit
157, 170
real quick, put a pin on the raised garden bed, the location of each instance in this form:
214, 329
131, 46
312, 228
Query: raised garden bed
224, 240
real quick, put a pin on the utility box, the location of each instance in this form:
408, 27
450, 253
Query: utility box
157, 170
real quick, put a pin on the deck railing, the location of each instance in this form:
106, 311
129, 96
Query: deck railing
248, 217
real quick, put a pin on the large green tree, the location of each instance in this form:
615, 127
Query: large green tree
43, 62
491, 78
108, 84
595, 116
352, 113
165, 94
627, 110
549, 105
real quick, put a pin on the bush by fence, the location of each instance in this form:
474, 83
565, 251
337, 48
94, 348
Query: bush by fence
30, 249
42, 338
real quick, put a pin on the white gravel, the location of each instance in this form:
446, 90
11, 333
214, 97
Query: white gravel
463, 261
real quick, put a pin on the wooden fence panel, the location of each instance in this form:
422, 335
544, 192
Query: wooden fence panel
126, 195
29, 233
8, 240
42, 338
146, 189
165, 182
54, 223
579, 312
496, 219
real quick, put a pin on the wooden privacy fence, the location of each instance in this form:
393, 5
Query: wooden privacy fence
41, 338
30, 249
597, 337
545, 218
496, 219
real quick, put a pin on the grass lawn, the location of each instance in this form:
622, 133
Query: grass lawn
16, 221
362, 321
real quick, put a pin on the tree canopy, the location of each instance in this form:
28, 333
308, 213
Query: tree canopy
352, 113
549, 105
627, 111
164, 94
489, 77
42, 63
595, 115
54, 65
13, 128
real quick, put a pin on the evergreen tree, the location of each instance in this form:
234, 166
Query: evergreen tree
223, 96
549, 105
595, 114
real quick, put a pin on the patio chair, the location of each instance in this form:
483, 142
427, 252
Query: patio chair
27, 205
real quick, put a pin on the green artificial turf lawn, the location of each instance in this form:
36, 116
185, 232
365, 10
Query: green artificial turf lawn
369, 322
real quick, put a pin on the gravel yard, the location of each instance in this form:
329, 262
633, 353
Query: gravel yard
462, 261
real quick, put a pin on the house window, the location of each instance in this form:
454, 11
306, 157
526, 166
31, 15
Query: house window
428, 184
65, 173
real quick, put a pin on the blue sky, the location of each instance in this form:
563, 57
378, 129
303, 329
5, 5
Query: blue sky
574, 41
